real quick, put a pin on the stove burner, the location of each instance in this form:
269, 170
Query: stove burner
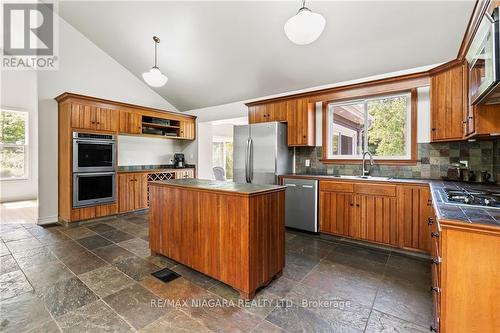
470, 196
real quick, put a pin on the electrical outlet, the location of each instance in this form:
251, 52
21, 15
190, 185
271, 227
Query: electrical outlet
308, 163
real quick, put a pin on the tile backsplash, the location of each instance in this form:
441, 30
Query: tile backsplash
433, 160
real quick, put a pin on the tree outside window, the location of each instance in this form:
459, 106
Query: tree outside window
222, 155
13, 144
379, 125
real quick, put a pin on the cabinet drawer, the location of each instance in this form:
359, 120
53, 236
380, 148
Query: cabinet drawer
376, 189
336, 186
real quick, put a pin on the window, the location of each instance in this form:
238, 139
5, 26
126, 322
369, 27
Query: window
13, 144
380, 125
222, 155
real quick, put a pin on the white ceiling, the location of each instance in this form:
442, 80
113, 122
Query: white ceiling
220, 52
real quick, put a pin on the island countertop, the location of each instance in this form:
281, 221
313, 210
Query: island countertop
220, 186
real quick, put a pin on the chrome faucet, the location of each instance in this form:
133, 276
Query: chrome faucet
366, 172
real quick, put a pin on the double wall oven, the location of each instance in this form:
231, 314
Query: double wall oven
94, 169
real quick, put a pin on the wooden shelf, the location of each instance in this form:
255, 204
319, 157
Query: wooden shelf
158, 125
156, 136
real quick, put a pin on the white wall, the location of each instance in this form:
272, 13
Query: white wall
19, 92
204, 153
134, 150
83, 69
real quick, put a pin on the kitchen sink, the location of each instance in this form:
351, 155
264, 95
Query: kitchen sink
373, 178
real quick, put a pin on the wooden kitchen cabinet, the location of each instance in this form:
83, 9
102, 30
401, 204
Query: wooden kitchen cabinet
449, 104
335, 213
130, 122
357, 213
301, 117
374, 219
132, 191
187, 130
93, 118
267, 113
414, 211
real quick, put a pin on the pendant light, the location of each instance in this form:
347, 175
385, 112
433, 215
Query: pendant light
305, 27
154, 77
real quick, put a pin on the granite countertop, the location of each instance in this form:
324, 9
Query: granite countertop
445, 211
213, 185
132, 168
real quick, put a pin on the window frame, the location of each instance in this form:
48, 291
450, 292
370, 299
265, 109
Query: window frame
26, 145
411, 159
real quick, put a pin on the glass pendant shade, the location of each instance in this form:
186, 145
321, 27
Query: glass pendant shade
305, 27
154, 77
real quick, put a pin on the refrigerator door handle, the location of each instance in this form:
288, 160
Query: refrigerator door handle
250, 160
247, 161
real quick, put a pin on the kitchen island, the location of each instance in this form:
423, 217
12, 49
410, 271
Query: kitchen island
231, 232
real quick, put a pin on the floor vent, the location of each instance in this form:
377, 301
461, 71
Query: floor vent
166, 275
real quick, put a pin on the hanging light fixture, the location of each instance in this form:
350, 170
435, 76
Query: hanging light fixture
305, 27
154, 77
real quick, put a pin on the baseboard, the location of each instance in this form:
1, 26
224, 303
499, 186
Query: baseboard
48, 220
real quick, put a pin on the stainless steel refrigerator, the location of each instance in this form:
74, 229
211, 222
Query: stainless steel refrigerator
261, 153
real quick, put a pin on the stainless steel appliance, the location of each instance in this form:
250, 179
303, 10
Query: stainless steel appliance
94, 152
301, 204
260, 153
471, 197
94, 169
93, 188
179, 161
483, 58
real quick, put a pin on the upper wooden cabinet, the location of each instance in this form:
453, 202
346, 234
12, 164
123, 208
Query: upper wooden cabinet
130, 122
93, 118
187, 130
449, 104
95, 114
298, 113
301, 117
486, 119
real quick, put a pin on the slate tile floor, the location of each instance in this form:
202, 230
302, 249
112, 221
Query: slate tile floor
96, 278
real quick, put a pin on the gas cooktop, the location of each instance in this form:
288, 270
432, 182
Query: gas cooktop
471, 197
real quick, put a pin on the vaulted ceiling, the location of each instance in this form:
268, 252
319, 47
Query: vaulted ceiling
220, 52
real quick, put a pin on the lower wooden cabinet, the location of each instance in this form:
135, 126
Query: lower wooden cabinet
355, 214
86, 213
465, 278
395, 215
132, 191
414, 211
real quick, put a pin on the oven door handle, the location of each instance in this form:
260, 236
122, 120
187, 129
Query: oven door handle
96, 142
93, 174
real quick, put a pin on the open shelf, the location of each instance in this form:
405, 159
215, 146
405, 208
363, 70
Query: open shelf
160, 127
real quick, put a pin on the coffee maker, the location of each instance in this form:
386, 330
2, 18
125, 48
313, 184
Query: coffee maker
179, 160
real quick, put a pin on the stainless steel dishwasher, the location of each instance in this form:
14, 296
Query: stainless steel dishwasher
301, 204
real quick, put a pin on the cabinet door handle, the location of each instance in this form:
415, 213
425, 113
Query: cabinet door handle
434, 234
470, 117
436, 261
430, 221
433, 129
351, 205
436, 289
433, 329
357, 205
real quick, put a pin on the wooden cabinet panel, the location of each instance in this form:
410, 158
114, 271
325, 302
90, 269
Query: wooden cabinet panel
126, 192
335, 212
375, 219
334, 186
257, 114
375, 189
487, 119
414, 211
301, 117
130, 122
141, 191
187, 130
106, 120
83, 116
449, 104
